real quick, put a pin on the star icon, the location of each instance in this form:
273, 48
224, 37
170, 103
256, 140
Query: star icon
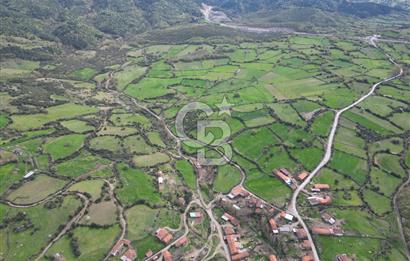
224, 107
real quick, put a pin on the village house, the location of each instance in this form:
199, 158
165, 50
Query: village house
164, 236
196, 214
149, 253
273, 226
320, 187
182, 241
325, 201
306, 245
229, 230
129, 255
342, 257
327, 231
285, 171
279, 174
119, 246
301, 233
327, 218
286, 216
240, 256
308, 257
232, 241
230, 218
167, 256
238, 191
285, 228
302, 176
272, 258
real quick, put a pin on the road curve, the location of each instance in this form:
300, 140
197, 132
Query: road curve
328, 154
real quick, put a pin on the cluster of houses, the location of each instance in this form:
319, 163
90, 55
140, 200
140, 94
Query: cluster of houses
232, 237
124, 249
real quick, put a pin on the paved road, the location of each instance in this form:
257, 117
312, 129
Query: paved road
328, 153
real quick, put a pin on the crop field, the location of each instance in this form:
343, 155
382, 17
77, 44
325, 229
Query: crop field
100, 131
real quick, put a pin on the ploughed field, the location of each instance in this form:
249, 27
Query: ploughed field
74, 122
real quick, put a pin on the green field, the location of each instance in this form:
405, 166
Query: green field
136, 186
64, 146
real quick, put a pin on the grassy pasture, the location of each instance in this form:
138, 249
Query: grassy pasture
117, 131
348, 141
334, 179
110, 143
64, 146
84, 164
389, 163
361, 222
151, 159
77, 126
136, 186
130, 119
386, 183
22, 245
291, 136
16, 68
3, 120
102, 213
362, 248
92, 187
127, 75
187, 171
393, 145
227, 177
268, 188
308, 157
9, 174
36, 190
94, 243
286, 113
149, 88
347, 198
349, 165
137, 145
322, 124
252, 143
64, 111
401, 119
378, 203
155, 139
381, 106
83, 74
371, 122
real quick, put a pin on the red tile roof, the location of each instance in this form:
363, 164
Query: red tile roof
321, 186
233, 248
285, 171
181, 242
149, 253
240, 256
301, 233
130, 254
282, 176
229, 230
119, 245
273, 224
272, 258
163, 235
327, 200
322, 230
308, 257
303, 175
306, 244
167, 256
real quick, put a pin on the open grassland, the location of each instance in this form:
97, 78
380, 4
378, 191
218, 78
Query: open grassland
92, 187
65, 111
64, 146
35, 190
227, 177
185, 168
27, 243
136, 187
